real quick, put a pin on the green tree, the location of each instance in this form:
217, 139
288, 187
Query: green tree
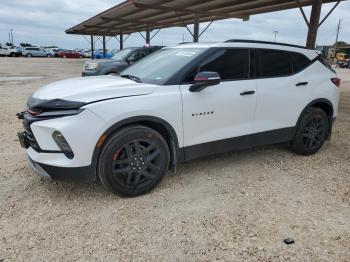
341, 43
25, 44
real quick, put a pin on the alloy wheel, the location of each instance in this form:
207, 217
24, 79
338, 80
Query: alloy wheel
136, 164
314, 132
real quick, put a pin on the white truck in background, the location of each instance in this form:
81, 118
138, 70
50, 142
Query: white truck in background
9, 51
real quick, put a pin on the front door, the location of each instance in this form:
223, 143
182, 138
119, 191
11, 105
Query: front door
219, 117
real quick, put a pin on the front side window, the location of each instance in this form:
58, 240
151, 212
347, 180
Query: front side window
275, 63
160, 66
137, 55
230, 64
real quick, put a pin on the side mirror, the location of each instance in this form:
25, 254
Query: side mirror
205, 79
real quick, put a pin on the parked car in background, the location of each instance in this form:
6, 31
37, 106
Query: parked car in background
121, 60
98, 54
33, 51
56, 51
87, 53
9, 51
70, 54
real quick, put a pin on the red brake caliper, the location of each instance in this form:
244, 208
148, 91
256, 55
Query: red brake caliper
116, 155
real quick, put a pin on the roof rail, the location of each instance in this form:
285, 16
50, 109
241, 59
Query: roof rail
262, 42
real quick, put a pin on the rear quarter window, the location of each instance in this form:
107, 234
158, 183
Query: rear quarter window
275, 63
299, 62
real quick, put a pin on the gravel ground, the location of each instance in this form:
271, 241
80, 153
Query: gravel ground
231, 207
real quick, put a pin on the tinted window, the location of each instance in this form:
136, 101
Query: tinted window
274, 63
231, 64
299, 62
139, 54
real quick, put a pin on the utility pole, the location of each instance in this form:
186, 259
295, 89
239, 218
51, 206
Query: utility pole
12, 37
275, 33
336, 39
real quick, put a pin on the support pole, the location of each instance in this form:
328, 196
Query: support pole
104, 46
314, 22
121, 41
92, 47
148, 36
196, 30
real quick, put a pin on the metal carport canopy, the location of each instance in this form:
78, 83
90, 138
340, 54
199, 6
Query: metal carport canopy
145, 15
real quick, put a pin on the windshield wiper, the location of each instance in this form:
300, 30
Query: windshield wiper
133, 78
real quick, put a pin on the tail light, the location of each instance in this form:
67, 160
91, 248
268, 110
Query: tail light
336, 81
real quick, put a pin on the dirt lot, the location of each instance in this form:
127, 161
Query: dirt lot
230, 207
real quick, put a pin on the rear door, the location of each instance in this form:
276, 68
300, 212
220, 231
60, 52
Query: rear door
283, 89
222, 112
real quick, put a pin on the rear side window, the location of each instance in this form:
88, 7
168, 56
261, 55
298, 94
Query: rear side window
275, 63
231, 64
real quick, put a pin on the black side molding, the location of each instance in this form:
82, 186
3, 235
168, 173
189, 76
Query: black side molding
238, 143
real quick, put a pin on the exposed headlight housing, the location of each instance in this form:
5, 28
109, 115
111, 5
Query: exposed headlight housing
91, 65
62, 144
59, 113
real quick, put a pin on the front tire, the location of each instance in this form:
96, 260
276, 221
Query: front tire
133, 161
312, 132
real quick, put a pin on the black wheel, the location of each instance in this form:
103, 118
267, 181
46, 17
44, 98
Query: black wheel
133, 161
29, 55
13, 54
311, 133
49, 56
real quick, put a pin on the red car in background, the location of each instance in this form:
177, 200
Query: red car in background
70, 54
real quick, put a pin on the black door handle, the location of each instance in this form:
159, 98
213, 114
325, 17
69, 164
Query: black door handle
245, 93
302, 84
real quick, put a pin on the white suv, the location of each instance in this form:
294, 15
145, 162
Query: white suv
178, 104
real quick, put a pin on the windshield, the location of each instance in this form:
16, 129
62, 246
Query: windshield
120, 55
160, 66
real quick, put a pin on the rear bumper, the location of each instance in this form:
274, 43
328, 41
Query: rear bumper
80, 174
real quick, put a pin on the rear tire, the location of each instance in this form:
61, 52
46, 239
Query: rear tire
29, 55
312, 132
13, 54
133, 161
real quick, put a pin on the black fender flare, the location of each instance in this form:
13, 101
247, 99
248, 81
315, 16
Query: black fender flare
313, 102
176, 152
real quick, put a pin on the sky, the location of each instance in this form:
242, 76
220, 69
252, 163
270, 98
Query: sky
42, 23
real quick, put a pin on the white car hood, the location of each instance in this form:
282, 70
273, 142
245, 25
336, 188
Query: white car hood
92, 88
